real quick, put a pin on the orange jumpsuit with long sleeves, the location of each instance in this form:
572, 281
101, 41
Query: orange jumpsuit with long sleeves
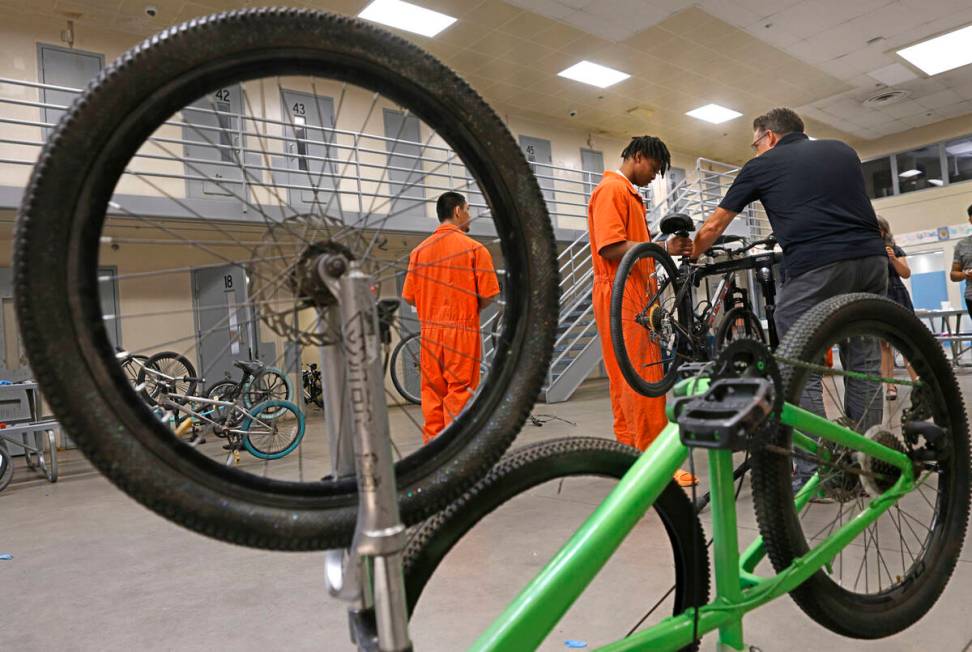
617, 213
447, 275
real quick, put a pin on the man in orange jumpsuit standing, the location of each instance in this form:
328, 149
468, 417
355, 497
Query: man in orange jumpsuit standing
450, 279
616, 221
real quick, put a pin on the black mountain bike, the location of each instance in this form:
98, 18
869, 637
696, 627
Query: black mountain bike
310, 381
652, 306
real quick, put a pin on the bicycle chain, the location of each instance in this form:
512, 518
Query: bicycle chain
918, 410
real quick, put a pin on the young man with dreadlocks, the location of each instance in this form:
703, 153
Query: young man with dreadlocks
616, 221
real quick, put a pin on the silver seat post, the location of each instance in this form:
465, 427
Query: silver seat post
370, 576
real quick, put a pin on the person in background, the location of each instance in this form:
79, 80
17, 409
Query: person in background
816, 201
616, 219
962, 265
897, 292
450, 279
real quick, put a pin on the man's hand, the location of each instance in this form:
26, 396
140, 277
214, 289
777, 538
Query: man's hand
679, 246
890, 253
968, 274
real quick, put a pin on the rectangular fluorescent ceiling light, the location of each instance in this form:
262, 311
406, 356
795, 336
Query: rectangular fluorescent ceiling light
714, 113
941, 53
593, 74
406, 16
936, 182
960, 149
907, 174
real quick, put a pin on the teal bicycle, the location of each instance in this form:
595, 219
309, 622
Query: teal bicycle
874, 479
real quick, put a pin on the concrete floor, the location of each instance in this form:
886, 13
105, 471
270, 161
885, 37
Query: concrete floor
92, 570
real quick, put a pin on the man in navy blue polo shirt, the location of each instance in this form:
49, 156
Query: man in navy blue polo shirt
814, 195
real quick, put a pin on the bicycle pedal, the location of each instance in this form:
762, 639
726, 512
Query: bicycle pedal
724, 416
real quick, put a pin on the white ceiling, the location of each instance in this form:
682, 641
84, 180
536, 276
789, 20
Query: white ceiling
821, 57
853, 41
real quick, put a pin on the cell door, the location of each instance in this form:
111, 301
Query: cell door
223, 321
537, 151
213, 131
406, 174
68, 68
311, 156
592, 164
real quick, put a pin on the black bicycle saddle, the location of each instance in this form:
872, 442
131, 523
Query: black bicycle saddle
249, 367
676, 223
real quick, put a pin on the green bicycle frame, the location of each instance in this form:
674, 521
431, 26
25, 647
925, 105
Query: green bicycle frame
537, 609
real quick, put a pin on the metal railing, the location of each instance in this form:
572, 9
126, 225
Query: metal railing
220, 154
352, 171
699, 196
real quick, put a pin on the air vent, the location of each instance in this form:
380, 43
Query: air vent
885, 98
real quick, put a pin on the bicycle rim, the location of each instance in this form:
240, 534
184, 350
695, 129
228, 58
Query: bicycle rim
649, 339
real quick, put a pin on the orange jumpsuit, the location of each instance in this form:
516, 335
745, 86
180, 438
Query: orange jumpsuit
616, 213
447, 275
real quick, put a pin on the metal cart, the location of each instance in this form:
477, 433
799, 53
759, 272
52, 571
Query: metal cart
22, 427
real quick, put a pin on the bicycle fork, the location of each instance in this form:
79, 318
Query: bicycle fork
369, 574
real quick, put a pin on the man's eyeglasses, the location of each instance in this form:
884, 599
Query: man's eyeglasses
755, 144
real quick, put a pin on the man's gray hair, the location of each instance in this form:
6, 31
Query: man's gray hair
780, 121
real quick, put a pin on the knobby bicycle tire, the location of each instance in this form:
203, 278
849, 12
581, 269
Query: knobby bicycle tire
532, 465
843, 611
754, 327
642, 251
66, 203
399, 383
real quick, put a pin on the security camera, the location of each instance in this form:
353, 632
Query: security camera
572, 113
151, 11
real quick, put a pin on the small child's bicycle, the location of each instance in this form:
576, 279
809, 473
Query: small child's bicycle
268, 431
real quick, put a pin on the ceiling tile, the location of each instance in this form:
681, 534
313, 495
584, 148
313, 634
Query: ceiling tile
495, 43
887, 21
731, 12
893, 74
654, 40
922, 119
461, 33
904, 109
526, 25
956, 110
559, 36
611, 29
765, 7
491, 14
